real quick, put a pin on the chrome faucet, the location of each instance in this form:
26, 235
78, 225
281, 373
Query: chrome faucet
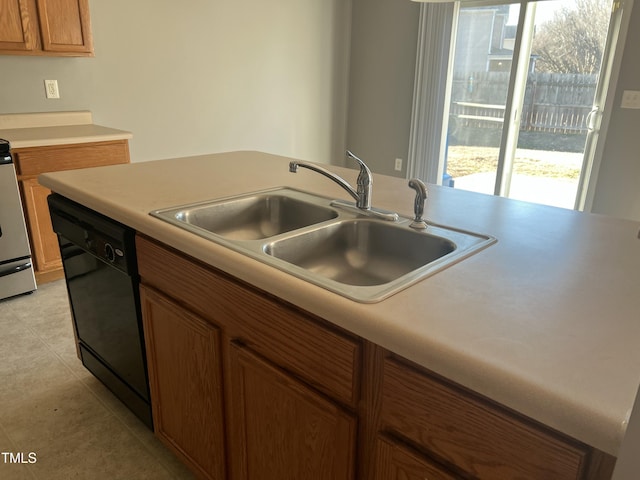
418, 205
362, 194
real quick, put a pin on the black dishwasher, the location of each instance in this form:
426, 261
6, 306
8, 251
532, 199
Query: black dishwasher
99, 259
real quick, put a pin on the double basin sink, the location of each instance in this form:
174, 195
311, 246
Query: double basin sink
364, 259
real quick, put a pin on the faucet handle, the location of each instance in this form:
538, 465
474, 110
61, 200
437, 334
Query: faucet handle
365, 183
365, 176
418, 205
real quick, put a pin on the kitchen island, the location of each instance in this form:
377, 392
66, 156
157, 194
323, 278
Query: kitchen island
544, 322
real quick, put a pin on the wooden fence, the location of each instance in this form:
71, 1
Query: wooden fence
557, 103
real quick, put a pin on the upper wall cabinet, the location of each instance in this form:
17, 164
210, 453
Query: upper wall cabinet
18, 33
45, 27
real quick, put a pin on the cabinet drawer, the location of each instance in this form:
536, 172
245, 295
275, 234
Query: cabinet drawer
471, 433
294, 341
37, 160
395, 461
290, 338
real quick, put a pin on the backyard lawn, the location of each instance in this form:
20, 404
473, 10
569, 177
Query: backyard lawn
463, 160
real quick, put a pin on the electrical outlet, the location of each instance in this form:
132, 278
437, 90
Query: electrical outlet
630, 99
398, 165
51, 89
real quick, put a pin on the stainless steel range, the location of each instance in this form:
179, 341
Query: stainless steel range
16, 271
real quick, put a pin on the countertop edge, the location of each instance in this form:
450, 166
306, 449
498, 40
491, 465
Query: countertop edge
78, 129
71, 140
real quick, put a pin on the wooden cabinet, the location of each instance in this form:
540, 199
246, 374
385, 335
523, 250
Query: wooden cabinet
18, 26
44, 242
283, 429
473, 436
291, 381
45, 27
305, 399
31, 162
185, 378
65, 26
395, 461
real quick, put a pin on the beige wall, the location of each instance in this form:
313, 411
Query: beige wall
618, 187
203, 76
383, 57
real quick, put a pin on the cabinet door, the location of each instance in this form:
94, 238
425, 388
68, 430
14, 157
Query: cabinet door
18, 25
183, 358
396, 462
65, 26
44, 242
283, 430
479, 437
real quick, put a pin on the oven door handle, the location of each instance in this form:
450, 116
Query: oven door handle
14, 269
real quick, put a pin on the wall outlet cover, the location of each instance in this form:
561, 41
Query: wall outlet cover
51, 89
630, 99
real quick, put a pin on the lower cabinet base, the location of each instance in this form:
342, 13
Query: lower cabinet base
248, 387
49, 276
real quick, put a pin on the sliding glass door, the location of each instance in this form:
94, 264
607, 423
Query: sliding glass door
525, 98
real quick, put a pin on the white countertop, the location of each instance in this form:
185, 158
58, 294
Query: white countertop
546, 321
55, 128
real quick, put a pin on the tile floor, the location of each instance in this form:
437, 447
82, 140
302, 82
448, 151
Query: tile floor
52, 406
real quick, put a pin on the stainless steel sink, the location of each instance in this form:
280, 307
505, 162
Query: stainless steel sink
361, 252
359, 257
252, 217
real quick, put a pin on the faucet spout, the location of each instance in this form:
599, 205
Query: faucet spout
293, 168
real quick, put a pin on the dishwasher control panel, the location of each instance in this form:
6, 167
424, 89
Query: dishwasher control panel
95, 233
